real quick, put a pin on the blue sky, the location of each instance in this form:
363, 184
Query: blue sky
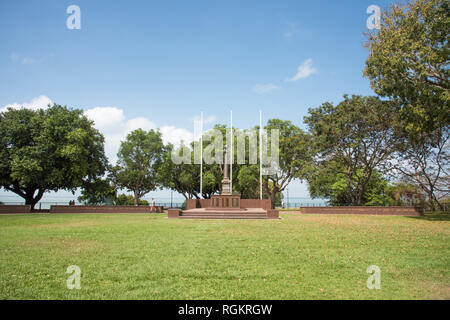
159, 63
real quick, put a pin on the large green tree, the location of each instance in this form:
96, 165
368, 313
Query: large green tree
355, 138
139, 160
409, 61
295, 156
182, 178
331, 184
48, 150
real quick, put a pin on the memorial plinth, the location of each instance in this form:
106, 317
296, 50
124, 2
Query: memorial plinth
225, 201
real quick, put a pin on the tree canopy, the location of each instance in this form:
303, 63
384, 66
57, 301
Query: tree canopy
139, 160
408, 62
295, 156
354, 139
48, 150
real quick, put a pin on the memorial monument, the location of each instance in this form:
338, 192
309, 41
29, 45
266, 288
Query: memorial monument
226, 205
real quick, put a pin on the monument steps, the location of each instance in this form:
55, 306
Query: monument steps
223, 214
224, 217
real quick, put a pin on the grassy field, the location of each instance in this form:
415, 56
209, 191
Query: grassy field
151, 257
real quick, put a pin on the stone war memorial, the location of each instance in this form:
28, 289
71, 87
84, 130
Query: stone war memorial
226, 205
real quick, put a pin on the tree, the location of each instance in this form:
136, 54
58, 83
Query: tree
354, 138
128, 200
330, 183
408, 61
48, 150
248, 182
425, 162
182, 178
404, 193
98, 191
139, 160
185, 178
294, 157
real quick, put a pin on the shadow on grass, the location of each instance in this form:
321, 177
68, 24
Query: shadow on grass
432, 217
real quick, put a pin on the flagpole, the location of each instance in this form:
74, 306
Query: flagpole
201, 154
260, 154
231, 153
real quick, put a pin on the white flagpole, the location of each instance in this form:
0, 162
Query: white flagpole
231, 153
260, 154
201, 154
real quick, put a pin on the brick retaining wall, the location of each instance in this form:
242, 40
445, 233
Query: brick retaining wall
7, 209
394, 211
198, 203
265, 204
173, 213
273, 214
103, 209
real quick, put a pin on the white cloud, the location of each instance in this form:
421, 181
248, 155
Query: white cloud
264, 88
304, 70
114, 125
40, 102
175, 135
106, 118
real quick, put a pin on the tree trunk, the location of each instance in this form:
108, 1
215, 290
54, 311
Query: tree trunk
359, 197
136, 198
273, 196
439, 204
431, 200
31, 200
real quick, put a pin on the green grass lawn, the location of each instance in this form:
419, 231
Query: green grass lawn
138, 256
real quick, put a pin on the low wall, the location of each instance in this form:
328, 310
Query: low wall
173, 213
265, 204
104, 209
198, 203
393, 211
273, 214
6, 209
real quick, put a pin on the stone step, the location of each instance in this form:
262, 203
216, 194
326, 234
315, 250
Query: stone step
217, 213
223, 217
241, 212
226, 213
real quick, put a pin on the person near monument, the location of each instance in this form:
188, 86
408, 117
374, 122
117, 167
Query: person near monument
153, 205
